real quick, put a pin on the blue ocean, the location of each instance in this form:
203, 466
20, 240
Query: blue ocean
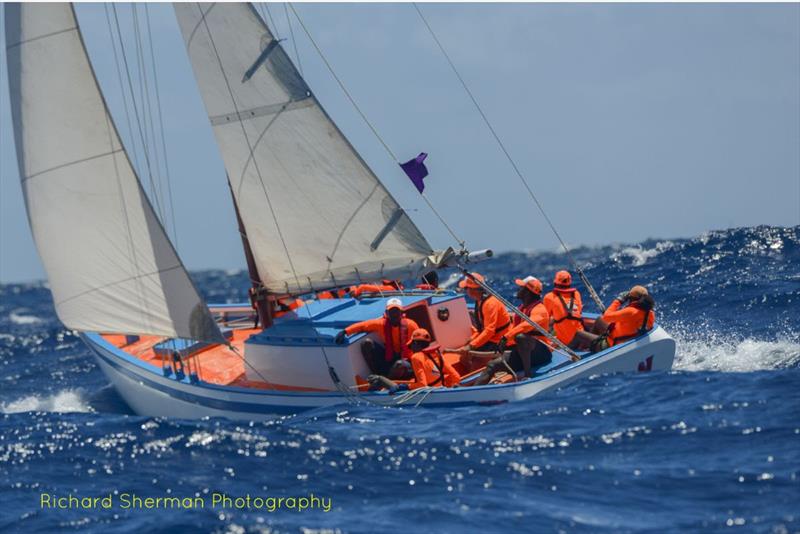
713, 445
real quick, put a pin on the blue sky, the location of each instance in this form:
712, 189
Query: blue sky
629, 121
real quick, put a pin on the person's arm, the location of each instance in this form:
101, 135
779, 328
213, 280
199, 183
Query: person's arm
371, 325
451, 376
613, 307
613, 314
521, 328
489, 325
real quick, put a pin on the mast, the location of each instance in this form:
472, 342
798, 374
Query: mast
258, 295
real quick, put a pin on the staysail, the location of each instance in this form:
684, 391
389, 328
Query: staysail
110, 264
316, 215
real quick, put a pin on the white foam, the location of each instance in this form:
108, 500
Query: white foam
68, 400
17, 318
715, 353
641, 255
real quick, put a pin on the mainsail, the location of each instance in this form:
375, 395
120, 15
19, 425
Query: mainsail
110, 264
316, 215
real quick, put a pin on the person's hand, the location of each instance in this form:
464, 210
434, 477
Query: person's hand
622, 297
339, 339
501, 345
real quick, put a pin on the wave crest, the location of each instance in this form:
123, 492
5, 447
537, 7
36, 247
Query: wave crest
718, 353
64, 401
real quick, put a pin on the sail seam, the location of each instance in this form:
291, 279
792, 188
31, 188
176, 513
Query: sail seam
117, 282
46, 35
350, 220
69, 164
260, 111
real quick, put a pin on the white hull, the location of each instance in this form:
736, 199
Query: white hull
149, 392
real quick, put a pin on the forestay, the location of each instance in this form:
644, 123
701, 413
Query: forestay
316, 215
111, 266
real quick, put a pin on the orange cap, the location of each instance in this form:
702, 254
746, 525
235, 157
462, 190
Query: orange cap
420, 334
563, 279
469, 283
532, 283
394, 303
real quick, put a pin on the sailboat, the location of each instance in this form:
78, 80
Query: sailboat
312, 215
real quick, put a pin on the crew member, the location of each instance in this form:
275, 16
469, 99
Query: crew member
530, 347
333, 294
385, 286
491, 320
429, 366
630, 315
564, 305
394, 331
429, 282
285, 305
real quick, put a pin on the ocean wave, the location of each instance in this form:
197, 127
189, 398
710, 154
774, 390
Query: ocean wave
719, 353
68, 400
640, 255
22, 319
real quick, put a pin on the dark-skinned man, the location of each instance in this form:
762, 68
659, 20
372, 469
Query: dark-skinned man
529, 347
629, 316
491, 320
564, 305
429, 366
394, 331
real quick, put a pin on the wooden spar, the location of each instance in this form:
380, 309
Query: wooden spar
259, 298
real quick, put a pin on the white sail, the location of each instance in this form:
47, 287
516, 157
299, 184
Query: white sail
316, 215
110, 264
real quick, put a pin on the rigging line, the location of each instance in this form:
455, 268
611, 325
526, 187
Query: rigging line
458, 240
150, 107
233, 349
294, 42
594, 295
138, 61
147, 110
122, 87
341, 85
161, 128
265, 5
133, 99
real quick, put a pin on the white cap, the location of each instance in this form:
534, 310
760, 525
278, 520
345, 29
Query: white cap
394, 303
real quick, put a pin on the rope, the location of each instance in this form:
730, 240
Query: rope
294, 42
135, 108
121, 86
452, 233
161, 129
571, 259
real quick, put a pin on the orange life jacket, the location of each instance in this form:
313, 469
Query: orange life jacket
565, 315
384, 286
628, 322
537, 312
285, 305
431, 369
491, 321
404, 351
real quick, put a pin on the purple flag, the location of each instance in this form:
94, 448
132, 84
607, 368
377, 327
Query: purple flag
416, 170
